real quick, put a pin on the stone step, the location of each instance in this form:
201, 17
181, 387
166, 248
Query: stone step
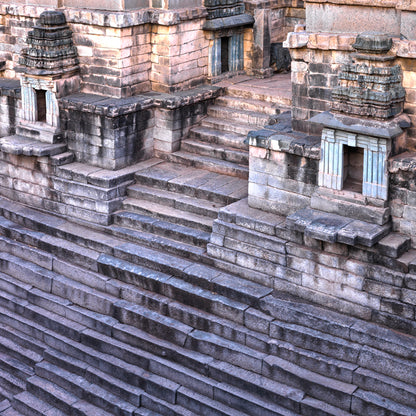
10, 384
368, 403
22, 354
13, 366
166, 213
194, 182
386, 386
298, 312
33, 345
211, 164
248, 104
275, 90
252, 118
227, 126
228, 154
202, 385
167, 245
83, 389
209, 135
175, 200
29, 405
60, 398
166, 229
328, 390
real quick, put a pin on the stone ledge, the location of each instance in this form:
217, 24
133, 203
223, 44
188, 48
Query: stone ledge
10, 87
380, 129
113, 19
18, 145
182, 98
106, 106
335, 228
114, 107
280, 137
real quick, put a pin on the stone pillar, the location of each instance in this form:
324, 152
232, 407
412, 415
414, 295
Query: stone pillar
261, 46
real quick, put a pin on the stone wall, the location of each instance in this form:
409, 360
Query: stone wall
9, 107
377, 283
121, 54
105, 132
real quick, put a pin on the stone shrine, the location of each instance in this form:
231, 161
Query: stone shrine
50, 70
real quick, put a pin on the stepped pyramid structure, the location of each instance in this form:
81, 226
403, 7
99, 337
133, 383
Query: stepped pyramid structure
207, 208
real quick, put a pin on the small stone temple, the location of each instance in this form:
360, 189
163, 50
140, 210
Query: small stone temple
208, 208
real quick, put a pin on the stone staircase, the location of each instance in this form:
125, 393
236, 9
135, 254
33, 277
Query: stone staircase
91, 323
217, 144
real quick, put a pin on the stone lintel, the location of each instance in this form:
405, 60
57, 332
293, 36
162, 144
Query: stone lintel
379, 129
229, 22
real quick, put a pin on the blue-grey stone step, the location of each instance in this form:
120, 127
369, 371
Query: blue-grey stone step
10, 384
30, 405
175, 200
194, 182
163, 212
172, 287
161, 243
209, 135
217, 151
386, 386
320, 387
312, 339
211, 164
84, 389
22, 354
19, 145
13, 366
366, 403
166, 229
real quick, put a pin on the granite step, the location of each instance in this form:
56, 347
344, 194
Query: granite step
248, 104
209, 135
145, 223
211, 164
221, 152
227, 126
254, 119
194, 182
175, 200
166, 213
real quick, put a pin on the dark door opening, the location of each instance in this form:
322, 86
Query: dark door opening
41, 105
224, 54
353, 169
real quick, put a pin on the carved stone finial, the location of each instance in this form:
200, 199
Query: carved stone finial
373, 42
51, 50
